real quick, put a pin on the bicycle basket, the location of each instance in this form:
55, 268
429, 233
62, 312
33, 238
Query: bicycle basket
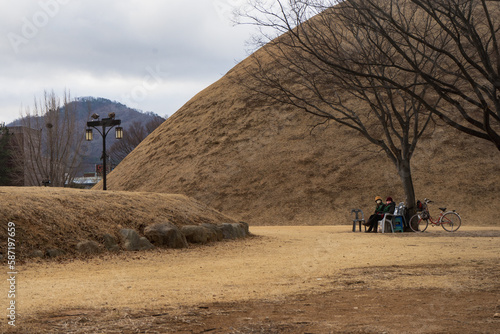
420, 206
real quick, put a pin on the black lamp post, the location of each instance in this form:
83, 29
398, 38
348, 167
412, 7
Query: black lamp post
100, 126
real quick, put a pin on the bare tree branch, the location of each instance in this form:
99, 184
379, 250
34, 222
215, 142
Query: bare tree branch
337, 67
51, 144
132, 137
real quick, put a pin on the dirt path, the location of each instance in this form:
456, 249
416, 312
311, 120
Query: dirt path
286, 279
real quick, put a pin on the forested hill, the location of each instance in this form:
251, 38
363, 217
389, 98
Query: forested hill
86, 106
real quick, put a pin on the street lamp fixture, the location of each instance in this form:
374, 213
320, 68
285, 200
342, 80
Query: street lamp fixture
119, 132
103, 126
88, 135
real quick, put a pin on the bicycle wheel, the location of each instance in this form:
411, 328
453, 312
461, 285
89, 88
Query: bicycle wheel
417, 224
451, 221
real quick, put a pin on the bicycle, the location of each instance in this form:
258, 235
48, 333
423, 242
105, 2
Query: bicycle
449, 220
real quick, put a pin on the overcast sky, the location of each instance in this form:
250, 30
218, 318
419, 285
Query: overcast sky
152, 55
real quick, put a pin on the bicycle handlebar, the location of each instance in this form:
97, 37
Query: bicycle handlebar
426, 200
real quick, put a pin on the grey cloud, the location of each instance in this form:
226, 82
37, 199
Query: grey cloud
113, 41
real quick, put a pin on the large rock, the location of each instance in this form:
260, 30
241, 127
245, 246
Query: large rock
145, 244
239, 230
54, 252
246, 227
89, 247
131, 241
234, 230
197, 234
215, 233
110, 243
37, 253
165, 235
228, 231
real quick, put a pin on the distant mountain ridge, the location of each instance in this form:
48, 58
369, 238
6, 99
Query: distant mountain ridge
102, 107
85, 106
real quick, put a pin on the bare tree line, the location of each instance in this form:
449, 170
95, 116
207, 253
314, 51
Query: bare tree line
49, 148
48, 145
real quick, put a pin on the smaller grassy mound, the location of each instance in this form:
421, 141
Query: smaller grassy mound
48, 218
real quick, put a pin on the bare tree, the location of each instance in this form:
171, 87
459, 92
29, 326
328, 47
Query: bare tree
50, 151
464, 34
132, 137
328, 64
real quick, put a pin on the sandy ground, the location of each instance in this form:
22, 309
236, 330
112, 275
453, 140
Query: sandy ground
283, 280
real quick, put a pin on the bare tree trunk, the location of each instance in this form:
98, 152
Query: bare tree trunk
404, 171
51, 142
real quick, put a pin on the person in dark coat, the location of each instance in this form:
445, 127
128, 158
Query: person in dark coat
379, 214
380, 210
390, 206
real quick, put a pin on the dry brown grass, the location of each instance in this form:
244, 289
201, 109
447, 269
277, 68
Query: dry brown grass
249, 158
355, 282
60, 218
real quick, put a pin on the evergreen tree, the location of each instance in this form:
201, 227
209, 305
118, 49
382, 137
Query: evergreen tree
5, 156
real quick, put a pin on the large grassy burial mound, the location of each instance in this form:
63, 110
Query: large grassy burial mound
267, 163
235, 152
59, 219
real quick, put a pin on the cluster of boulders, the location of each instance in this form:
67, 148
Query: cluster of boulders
164, 235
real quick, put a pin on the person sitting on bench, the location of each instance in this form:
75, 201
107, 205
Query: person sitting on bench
380, 210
